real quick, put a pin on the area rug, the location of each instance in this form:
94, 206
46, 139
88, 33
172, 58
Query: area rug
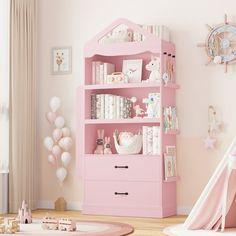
84, 228
178, 230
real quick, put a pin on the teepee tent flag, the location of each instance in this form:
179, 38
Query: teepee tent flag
216, 207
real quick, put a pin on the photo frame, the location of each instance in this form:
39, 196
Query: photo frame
170, 166
61, 61
132, 69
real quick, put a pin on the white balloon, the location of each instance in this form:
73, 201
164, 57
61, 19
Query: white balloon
65, 158
55, 103
59, 122
48, 143
61, 174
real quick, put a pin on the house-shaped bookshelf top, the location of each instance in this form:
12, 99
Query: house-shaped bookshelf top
103, 44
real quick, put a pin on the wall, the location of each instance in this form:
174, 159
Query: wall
73, 22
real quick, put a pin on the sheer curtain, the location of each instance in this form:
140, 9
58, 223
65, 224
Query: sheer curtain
4, 85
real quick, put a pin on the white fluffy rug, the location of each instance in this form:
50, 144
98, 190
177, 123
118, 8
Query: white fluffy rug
178, 230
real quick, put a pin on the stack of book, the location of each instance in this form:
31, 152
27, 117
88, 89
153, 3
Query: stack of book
151, 140
161, 31
170, 118
109, 106
100, 70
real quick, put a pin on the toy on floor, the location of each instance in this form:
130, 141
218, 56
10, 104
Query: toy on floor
9, 226
64, 224
24, 214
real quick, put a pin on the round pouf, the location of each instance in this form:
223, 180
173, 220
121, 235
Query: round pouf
83, 228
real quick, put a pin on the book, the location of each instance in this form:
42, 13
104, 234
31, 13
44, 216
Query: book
108, 69
149, 140
97, 72
156, 140
145, 131
101, 74
93, 72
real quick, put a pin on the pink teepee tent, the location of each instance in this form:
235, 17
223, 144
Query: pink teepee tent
216, 207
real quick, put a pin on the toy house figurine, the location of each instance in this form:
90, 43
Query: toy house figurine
24, 214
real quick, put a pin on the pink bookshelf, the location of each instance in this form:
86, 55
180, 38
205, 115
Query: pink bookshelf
141, 177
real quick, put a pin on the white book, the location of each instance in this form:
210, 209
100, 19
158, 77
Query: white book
149, 140
93, 72
118, 107
97, 73
145, 131
111, 106
102, 116
101, 74
106, 105
108, 69
156, 140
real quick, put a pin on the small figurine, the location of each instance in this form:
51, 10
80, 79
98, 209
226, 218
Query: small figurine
24, 214
100, 142
152, 105
49, 223
107, 146
154, 67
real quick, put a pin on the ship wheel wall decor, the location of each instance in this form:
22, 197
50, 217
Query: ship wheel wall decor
220, 43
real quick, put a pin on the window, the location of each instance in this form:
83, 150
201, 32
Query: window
4, 84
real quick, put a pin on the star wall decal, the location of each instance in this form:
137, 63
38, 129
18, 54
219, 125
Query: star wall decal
209, 142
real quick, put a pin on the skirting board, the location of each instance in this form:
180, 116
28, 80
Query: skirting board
77, 206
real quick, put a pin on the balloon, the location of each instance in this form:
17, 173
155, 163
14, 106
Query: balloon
67, 143
56, 151
61, 174
48, 143
52, 159
61, 143
55, 103
57, 134
51, 117
59, 122
65, 158
66, 132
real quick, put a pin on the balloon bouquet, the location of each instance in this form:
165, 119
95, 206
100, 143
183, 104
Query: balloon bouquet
60, 142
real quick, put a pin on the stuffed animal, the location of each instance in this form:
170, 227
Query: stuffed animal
100, 142
154, 67
107, 146
152, 105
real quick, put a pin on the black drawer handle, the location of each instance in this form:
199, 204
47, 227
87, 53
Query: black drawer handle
121, 167
116, 193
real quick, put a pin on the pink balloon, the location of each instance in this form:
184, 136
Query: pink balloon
66, 132
67, 143
51, 117
52, 159
56, 151
61, 143
57, 134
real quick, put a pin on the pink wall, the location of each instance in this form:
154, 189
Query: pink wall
73, 22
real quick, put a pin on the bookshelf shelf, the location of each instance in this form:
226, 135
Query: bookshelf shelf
123, 121
143, 174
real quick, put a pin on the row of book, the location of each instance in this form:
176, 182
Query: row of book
161, 31
109, 106
100, 70
170, 118
151, 140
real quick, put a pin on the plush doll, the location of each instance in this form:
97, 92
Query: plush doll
107, 146
100, 142
154, 67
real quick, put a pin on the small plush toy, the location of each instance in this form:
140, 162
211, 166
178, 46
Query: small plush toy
100, 142
139, 112
107, 146
154, 67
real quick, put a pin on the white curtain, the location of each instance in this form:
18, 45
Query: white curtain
4, 85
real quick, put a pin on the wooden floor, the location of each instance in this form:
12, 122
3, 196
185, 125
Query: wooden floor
143, 226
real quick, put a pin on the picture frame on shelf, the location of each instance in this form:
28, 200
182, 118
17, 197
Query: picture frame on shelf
132, 69
61, 60
170, 166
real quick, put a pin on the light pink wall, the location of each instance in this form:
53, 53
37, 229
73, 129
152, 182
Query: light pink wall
73, 22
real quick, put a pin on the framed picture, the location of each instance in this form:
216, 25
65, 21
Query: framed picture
171, 150
133, 70
61, 60
170, 166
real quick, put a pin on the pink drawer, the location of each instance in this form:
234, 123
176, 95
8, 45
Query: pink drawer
123, 168
122, 194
